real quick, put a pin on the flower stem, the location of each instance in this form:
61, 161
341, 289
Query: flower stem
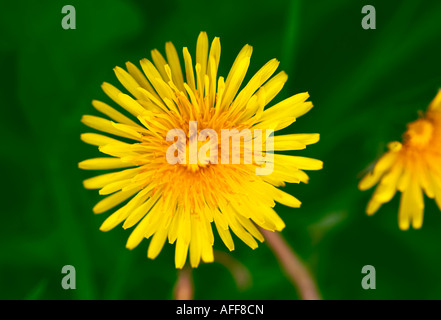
297, 272
240, 273
184, 285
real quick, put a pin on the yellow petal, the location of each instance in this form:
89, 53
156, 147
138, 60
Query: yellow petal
101, 180
142, 228
237, 228
181, 252
224, 235
113, 200
202, 59
97, 139
382, 165
108, 126
274, 86
213, 64
235, 80
287, 199
140, 211
157, 242
435, 105
140, 79
160, 63
121, 214
175, 65
103, 164
128, 103
195, 242
189, 73
250, 227
303, 163
373, 207
112, 113
157, 81
256, 82
127, 81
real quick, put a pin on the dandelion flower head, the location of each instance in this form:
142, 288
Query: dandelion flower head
181, 202
412, 167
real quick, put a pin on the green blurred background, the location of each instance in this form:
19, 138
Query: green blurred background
365, 85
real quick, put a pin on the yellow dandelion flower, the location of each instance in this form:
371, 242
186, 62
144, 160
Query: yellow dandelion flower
176, 189
412, 167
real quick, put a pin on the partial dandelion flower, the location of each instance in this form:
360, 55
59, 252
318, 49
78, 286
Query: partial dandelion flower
180, 202
412, 167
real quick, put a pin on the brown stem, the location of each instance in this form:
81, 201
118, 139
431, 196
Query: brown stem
184, 285
240, 273
294, 268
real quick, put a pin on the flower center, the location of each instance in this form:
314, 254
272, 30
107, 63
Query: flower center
195, 158
419, 133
